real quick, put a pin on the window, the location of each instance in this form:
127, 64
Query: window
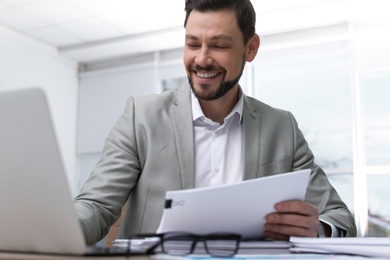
375, 88
314, 83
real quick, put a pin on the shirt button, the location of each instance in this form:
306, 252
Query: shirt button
216, 170
216, 134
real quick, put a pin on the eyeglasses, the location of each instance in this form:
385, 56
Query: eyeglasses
183, 243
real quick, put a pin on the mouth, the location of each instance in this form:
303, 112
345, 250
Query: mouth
206, 75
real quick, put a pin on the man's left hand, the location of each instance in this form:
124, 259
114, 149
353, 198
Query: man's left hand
292, 218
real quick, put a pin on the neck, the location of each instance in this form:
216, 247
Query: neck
217, 110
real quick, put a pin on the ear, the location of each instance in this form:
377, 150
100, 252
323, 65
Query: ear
252, 47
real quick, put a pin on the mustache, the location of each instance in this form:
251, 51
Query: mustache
207, 68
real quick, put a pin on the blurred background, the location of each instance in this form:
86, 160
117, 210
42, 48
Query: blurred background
326, 61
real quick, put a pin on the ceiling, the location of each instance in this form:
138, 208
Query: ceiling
95, 30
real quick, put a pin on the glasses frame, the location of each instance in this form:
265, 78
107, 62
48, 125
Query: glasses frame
194, 239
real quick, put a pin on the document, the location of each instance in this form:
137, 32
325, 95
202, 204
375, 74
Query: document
362, 246
238, 208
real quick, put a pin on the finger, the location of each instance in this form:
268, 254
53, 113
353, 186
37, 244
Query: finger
276, 236
278, 231
310, 222
297, 206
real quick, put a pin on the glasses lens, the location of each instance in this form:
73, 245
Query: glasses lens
219, 246
178, 243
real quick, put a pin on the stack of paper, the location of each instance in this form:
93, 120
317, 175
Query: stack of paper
263, 247
245, 247
367, 246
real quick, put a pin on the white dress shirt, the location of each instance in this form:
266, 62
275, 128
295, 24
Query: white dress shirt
219, 157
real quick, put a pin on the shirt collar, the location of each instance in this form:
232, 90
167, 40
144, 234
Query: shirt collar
197, 112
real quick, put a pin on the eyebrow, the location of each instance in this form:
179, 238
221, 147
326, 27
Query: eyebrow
223, 37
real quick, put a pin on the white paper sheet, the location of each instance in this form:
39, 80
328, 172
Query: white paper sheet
235, 208
364, 246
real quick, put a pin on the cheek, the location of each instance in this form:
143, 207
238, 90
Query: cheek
187, 60
235, 65
230, 67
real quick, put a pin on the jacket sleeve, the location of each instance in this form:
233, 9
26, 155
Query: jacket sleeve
320, 192
101, 198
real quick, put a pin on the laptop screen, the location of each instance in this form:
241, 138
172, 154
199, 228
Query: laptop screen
37, 213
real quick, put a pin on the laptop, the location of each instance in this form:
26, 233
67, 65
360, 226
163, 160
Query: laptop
36, 208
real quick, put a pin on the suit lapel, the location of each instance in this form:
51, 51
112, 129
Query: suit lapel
184, 140
251, 140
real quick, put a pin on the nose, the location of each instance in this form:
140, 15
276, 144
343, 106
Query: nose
203, 57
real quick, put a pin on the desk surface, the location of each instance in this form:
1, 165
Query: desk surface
21, 256
16, 256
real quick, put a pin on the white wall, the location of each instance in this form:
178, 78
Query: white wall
371, 44
24, 63
102, 98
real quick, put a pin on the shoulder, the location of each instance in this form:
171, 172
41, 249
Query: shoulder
156, 107
165, 99
265, 111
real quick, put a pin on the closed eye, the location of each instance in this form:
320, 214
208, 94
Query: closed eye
192, 45
220, 47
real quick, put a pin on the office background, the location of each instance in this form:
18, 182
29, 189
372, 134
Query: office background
327, 61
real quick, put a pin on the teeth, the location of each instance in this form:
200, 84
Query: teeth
206, 75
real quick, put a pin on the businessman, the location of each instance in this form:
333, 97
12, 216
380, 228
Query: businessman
207, 133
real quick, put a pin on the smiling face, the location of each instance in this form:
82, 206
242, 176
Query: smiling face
214, 53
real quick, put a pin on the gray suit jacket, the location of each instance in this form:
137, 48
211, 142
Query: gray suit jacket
150, 150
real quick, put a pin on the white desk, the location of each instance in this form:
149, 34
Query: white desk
15, 256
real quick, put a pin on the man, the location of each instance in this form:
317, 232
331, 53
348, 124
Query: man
211, 135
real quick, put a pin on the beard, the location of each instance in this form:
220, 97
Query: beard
223, 88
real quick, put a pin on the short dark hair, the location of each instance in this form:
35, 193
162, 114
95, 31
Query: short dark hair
245, 13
